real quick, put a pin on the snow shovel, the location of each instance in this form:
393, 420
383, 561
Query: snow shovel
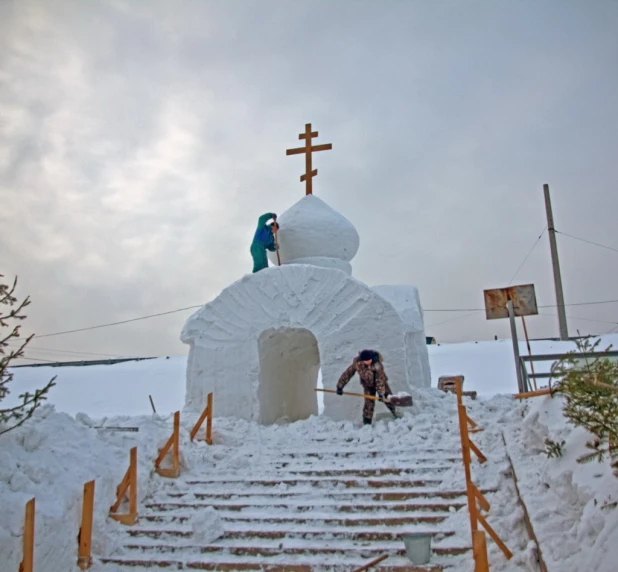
403, 401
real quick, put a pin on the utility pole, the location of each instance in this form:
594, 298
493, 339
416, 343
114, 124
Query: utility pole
562, 322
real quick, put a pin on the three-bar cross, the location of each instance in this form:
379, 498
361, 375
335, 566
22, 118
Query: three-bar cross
308, 149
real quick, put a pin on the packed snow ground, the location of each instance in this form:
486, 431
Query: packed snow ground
572, 506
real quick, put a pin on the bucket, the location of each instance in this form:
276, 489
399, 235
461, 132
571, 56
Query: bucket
418, 547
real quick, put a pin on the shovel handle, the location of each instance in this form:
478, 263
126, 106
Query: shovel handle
385, 400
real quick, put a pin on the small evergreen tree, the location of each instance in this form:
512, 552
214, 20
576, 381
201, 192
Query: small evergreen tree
590, 389
15, 416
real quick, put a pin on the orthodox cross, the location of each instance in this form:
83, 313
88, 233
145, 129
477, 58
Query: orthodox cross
308, 149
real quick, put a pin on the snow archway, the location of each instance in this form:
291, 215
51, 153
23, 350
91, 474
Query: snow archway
289, 366
231, 337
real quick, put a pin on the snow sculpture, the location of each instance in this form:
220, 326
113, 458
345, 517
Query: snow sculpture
260, 345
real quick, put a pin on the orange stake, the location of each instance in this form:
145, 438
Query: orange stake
27, 564
84, 558
173, 443
207, 415
128, 483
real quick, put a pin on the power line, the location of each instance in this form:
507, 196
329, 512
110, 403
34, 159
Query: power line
452, 319
588, 241
527, 255
583, 319
59, 351
473, 310
115, 323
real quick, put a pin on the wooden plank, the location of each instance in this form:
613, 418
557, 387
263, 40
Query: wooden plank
304, 176
176, 450
310, 135
164, 451
324, 147
482, 500
528, 394
479, 547
494, 536
209, 419
27, 563
205, 414
121, 491
296, 151
84, 557
133, 481
482, 458
372, 563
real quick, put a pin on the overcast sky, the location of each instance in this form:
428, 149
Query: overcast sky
140, 141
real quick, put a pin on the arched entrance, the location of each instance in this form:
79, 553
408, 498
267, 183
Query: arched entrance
289, 367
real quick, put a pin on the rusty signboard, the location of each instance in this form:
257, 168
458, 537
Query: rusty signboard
523, 298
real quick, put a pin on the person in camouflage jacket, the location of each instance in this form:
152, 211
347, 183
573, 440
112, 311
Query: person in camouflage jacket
368, 365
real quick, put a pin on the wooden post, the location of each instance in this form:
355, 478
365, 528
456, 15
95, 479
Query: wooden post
173, 443
479, 547
529, 351
459, 390
27, 563
207, 415
128, 483
465, 451
84, 558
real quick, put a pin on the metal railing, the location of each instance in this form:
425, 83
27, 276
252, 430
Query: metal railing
530, 377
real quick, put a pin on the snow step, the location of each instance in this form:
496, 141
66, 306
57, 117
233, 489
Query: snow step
327, 534
363, 494
375, 483
309, 505
358, 551
360, 472
343, 452
404, 566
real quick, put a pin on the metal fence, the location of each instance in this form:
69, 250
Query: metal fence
528, 376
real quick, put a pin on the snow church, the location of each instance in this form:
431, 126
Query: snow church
261, 344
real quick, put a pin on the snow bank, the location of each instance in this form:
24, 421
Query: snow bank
50, 458
104, 390
573, 506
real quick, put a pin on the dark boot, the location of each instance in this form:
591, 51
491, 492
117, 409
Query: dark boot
367, 420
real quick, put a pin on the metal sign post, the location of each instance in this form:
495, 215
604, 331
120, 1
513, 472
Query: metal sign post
508, 303
511, 311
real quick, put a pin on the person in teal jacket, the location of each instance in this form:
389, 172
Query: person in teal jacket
264, 239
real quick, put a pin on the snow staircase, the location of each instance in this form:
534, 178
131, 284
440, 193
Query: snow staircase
328, 505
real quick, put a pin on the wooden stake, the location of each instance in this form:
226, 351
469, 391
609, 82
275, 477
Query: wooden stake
479, 547
27, 564
307, 150
173, 443
206, 414
152, 405
372, 563
84, 558
529, 351
128, 483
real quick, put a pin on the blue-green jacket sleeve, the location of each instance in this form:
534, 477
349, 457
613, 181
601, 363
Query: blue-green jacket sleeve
264, 219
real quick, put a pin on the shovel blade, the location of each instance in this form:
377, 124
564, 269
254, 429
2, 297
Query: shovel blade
403, 401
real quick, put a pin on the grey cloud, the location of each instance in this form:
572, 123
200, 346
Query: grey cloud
144, 140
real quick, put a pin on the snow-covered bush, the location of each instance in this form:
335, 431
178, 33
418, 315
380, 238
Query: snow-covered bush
590, 388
